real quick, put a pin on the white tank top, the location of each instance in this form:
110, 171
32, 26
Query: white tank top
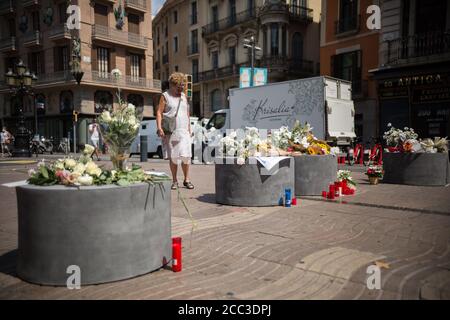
170, 110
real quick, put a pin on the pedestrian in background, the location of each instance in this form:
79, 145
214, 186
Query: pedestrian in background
94, 136
6, 139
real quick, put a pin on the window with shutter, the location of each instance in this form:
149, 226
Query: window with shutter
133, 23
103, 62
101, 15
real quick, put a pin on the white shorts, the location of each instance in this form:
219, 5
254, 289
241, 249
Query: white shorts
95, 142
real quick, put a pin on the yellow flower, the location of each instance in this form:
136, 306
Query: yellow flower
311, 150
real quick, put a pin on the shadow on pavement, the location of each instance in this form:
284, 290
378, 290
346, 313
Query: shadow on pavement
207, 197
8, 263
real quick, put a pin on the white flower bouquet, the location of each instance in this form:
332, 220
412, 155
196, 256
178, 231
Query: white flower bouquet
119, 127
396, 137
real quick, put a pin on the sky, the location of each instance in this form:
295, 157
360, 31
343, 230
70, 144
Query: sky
156, 4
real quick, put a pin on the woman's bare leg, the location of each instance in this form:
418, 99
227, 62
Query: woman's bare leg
185, 168
173, 169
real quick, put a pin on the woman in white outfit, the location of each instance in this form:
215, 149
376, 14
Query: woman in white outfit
176, 144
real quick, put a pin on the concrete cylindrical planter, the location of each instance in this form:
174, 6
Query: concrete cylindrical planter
314, 173
251, 185
419, 169
109, 232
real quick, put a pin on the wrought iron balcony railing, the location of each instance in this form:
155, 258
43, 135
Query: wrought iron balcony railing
27, 3
229, 21
33, 38
59, 32
7, 6
136, 4
292, 65
8, 44
124, 81
420, 45
112, 35
192, 49
59, 76
224, 72
301, 13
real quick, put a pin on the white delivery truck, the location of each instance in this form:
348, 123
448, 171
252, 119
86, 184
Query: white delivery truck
323, 102
148, 128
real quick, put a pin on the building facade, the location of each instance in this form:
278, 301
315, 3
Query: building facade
349, 50
114, 34
205, 38
413, 77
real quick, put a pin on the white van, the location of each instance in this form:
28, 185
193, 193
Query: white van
324, 102
148, 128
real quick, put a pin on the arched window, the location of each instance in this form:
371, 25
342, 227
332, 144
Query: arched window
40, 104
297, 46
138, 101
216, 100
103, 101
66, 102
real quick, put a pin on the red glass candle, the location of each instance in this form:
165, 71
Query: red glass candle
324, 194
176, 254
331, 194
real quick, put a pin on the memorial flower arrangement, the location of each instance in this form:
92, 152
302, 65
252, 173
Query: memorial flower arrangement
375, 171
300, 140
281, 142
408, 141
119, 127
250, 144
346, 175
85, 172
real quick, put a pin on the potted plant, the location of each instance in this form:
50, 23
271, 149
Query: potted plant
315, 160
375, 173
77, 212
244, 176
414, 161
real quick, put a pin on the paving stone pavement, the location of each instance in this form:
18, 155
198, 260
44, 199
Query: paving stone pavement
316, 250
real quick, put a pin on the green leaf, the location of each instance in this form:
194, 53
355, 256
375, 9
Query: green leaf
44, 171
123, 183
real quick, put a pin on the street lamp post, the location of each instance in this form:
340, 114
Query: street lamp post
21, 84
251, 44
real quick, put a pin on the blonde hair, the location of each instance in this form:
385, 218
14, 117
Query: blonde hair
177, 78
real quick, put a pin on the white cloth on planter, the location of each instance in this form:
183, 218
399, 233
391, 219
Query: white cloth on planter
269, 162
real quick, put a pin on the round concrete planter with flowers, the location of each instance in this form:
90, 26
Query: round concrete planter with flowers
314, 173
418, 169
110, 232
251, 185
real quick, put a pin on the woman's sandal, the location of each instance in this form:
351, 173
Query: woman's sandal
188, 185
174, 186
